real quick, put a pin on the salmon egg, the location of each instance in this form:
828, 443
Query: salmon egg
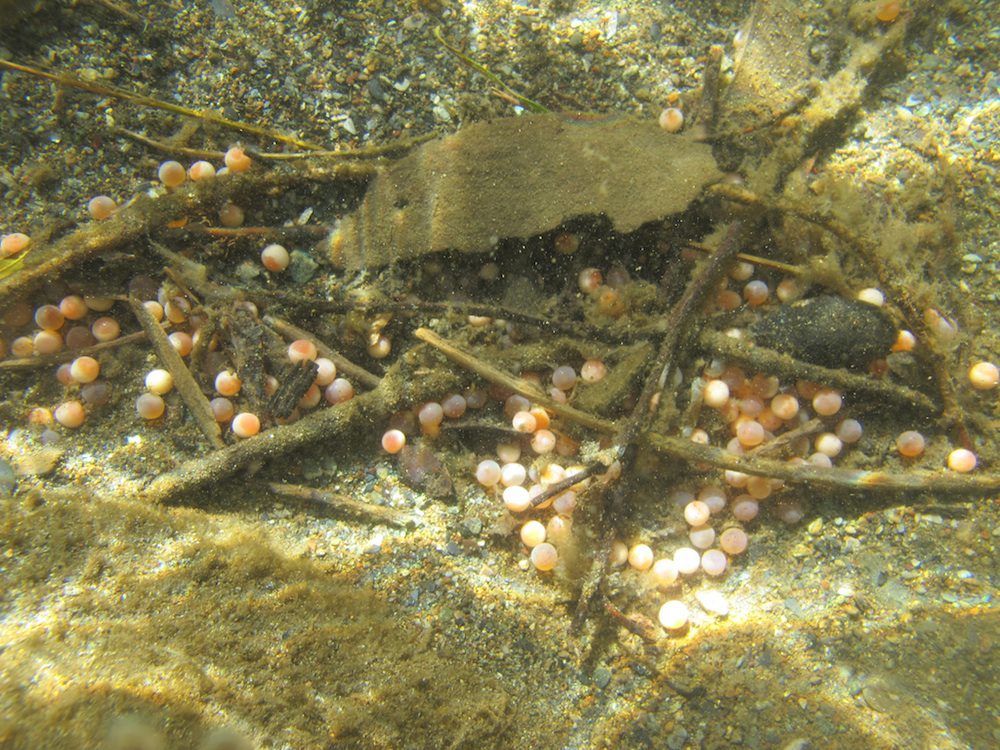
687, 560
393, 441
231, 215
149, 406
222, 409
70, 414
275, 258
105, 329
544, 556
12, 244
590, 280
245, 425
159, 381
182, 342
171, 174
714, 562
101, 207
84, 369
47, 342
326, 372
671, 120
73, 307
827, 402
756, 292
201, 170
302, 350
984, 375
733, 541
237, 160
532, 533
516, 499
664, 572
338, 391
488, 473
962, 460
716, 394
910, 443
674, 615
227, 383
640, 557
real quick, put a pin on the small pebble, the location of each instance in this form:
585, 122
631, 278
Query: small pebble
712, 602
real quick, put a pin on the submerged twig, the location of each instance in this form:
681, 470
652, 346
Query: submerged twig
360, 413
761, 359
518, 385
66, 355
65, 79
344, 504
184, 381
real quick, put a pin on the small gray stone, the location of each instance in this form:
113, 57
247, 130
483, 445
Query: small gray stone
302, 267
677, 739
602, 677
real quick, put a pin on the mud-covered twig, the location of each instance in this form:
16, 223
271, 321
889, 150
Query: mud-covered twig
171, 148
368, 151
131, 225
761, 359
757, 260
781, 442
916, 480
354, 417
66, 355
344, 504
184, 381
518, 385
355, 372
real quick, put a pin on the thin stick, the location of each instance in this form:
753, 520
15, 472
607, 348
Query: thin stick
767, 360
344, 504
499, 377
169, 148
45, 360
757, 260
782, 441
189, 390
361, 152
917, 480
561, 486
65, 79
344, 365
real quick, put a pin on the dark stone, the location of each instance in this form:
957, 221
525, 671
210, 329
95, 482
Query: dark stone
828, 331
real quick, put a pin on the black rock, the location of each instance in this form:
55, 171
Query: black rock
828, 331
